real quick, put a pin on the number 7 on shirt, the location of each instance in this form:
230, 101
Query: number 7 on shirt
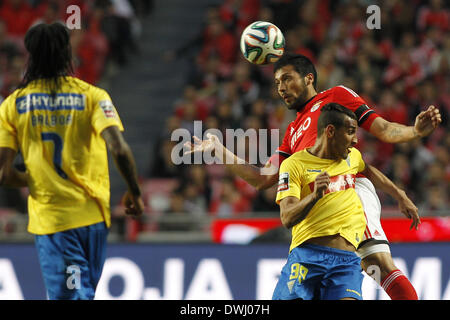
57, 153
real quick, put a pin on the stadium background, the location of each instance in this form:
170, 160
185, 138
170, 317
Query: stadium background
168, 63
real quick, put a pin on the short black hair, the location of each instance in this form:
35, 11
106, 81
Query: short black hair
50, 53
302, 64
333, 113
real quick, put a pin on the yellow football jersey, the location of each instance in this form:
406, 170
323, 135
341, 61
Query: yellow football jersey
64, 153
339, 211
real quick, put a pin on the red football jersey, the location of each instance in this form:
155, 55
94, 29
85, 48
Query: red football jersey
302, 132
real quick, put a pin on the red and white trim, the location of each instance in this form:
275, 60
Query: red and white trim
391, 278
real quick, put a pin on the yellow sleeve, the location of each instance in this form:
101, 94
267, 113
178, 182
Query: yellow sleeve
289, 183
8, 132
104, 113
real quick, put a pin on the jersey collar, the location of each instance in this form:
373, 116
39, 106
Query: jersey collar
300, 109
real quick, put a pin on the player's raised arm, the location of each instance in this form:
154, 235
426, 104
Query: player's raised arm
383, 183
392, 132
259, 177
124, 161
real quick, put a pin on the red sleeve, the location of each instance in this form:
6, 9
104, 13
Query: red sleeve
349, 99
277, 158
284, 149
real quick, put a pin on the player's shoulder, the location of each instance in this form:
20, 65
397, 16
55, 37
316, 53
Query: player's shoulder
11, 98
343, 90
355, 153
84, 86
295, 160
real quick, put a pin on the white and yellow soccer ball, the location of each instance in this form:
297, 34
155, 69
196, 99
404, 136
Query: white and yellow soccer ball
262, 42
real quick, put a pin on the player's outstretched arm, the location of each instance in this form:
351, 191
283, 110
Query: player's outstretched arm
10, 176
260, 178
392, 132
293, 210
406, 206
124, 161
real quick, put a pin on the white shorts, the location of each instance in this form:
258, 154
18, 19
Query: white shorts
372, 210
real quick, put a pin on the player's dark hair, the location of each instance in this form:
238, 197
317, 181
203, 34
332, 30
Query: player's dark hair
50, 54
302, 64
333, 113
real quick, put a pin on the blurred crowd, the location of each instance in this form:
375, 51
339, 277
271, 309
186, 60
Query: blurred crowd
399, 69
104, 43
105, 36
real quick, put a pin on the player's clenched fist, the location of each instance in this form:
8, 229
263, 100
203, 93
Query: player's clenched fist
134, 206
321, 184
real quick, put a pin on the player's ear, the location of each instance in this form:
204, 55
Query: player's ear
309, 79
330, 130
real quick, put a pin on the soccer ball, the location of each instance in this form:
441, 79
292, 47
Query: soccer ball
262, 43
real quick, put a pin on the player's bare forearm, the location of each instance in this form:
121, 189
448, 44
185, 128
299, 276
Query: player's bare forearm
125, 164
383, 183
15, 179
392, 132
10, 176
123, 158
259, 177
294, 210
426, 122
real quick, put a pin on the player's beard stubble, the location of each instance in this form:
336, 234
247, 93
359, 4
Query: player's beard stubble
302, 98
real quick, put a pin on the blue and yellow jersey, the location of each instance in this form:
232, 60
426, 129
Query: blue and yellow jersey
64, 153
339, 211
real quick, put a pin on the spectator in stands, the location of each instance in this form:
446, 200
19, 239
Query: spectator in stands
18, 16
219, 41
117, 20
230, 202
238, 14
197, 190
13, 75
263, 202
434, 14
331, 74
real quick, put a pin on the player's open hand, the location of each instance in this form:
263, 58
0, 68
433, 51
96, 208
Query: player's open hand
321, 184
134, 205
408, 208
207, 145
427, 121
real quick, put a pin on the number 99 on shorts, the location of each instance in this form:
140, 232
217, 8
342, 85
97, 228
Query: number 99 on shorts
298, 272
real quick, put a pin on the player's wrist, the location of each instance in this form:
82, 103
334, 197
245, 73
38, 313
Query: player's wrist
135, 191
399, 194
416, 133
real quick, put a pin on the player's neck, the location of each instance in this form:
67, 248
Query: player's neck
321, 149
310, 94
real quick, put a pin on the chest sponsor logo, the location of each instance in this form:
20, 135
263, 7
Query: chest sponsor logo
338, 183
297, 134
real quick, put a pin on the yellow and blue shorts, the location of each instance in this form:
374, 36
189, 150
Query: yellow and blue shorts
314, 272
